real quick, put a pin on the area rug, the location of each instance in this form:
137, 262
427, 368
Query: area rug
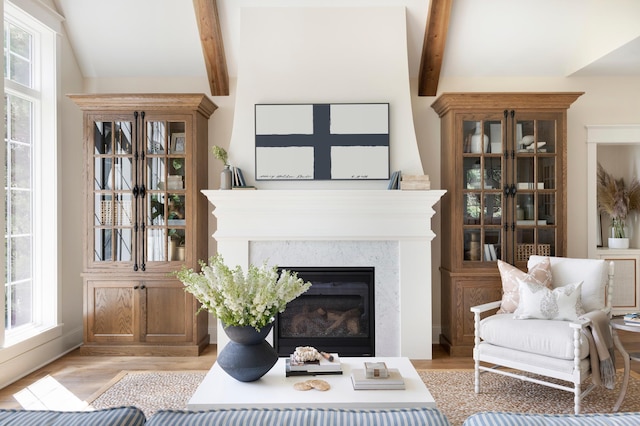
451, 389
148, 390
454, 395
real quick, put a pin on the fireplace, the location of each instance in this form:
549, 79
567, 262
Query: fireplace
335, 315
388, 230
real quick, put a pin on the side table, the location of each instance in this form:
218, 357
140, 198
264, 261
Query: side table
619, 324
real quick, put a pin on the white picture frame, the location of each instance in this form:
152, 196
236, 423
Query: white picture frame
178, 143
322, 141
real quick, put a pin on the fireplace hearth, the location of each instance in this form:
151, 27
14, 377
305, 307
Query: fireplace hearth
335, 315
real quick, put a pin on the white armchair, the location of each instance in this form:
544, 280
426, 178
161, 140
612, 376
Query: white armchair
545, 347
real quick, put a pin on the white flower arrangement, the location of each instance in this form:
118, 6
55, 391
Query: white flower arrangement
239, 300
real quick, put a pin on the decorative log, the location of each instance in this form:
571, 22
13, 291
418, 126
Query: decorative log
340, 318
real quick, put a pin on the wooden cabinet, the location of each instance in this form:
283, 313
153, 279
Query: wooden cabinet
626, 285
504, 169
146, 163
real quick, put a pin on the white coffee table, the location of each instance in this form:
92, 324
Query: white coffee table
275, 390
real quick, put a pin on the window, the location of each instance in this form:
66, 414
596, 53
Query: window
30, 192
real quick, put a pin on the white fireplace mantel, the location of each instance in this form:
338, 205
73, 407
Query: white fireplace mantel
245, 216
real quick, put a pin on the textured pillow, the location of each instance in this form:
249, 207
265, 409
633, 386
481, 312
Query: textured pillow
539, 273
593, 273
562, 303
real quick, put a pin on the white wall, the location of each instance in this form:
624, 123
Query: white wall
324, 55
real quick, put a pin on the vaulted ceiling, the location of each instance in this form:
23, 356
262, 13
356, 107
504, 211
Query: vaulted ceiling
464, 38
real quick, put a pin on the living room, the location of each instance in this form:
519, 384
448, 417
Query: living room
502, 47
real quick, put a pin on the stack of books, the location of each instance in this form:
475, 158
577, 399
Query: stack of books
376, 376
327, 365
632, 318
238, 181
415, 182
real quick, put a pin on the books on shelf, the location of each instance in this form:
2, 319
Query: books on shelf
490, 252
632, 318
394, 180
394, 380
237, 181
323, 366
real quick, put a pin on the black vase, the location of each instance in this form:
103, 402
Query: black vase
248, 356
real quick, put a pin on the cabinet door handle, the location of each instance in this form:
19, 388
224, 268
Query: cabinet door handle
142, 287
135, 287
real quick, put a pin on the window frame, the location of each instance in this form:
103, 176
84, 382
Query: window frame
44, 24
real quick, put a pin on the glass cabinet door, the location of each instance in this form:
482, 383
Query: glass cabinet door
113, 182
482, 183
166, 199
535, 174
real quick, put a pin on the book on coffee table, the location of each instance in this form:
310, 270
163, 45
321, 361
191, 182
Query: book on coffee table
361, 382
323, 366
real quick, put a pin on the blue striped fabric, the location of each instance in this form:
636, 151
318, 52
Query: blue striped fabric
522, 419
119, 416
300, 417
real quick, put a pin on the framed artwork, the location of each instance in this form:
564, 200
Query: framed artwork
177, 142
322, 141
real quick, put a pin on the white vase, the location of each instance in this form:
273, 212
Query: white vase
618, 243
226, 178
479, 142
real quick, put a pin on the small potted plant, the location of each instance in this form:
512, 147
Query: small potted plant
617, 200
225, 176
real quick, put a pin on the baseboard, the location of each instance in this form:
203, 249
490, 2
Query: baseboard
435, 334
30, 360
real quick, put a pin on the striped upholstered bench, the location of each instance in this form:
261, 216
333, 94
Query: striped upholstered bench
119, 416
521, 419
300, 417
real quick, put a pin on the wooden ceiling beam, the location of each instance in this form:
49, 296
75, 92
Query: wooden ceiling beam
212, 46
435, 35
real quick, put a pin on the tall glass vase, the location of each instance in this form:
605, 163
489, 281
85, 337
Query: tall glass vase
247, 356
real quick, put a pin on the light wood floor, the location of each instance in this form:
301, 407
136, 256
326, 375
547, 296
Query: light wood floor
82, 376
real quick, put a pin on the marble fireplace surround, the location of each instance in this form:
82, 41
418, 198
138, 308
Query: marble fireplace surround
389, 230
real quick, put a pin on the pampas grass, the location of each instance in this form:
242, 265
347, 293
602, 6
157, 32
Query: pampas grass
616, 199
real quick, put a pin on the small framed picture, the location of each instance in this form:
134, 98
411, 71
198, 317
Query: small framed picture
177, 142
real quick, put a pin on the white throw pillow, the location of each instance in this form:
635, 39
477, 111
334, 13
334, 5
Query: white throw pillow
593, 273
537, 301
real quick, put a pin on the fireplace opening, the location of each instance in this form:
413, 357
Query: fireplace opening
336, 314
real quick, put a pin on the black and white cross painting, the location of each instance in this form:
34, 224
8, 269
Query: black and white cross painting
322, 141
